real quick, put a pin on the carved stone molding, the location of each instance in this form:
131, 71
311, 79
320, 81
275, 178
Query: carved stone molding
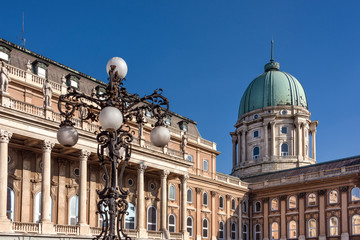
213, 193
5, 136
184, 178
47, 145
344, 189
322, 192
228, 197
198, 190
141, 168
165, 174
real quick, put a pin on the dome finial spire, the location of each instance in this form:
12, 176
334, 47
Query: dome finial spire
272, 50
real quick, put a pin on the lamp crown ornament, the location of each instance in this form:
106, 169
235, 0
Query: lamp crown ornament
113, 109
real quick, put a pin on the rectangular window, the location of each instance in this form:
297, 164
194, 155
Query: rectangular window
284, 130
4, 56
206, 165
41, 72
256, 134
74, 84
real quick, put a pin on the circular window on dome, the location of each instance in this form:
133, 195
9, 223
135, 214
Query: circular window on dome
283, 112
256, 116
130, 182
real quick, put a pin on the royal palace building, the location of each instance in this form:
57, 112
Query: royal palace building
276, 189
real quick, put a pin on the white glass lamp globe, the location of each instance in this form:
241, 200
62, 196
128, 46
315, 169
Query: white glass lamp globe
67, 136
160, 136
110, 118
121, 66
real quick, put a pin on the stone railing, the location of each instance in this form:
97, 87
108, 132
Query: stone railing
95, 231
176, 236
66, 229
155, 234
221, 177
26, 107
32, 79
306, 177
26, 227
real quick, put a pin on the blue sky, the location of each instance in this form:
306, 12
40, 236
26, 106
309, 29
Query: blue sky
205, 53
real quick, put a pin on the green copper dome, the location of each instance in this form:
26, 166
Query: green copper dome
272, 88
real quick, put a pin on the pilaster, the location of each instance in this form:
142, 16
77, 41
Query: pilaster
184, 231
142, 233
164, 203
84, 227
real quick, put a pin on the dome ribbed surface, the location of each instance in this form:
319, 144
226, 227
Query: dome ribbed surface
272, 88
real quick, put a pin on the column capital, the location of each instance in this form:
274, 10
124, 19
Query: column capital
184, 178
228, 197
5, 136
283, 197
198, 190
142, 168
213, 193
322, 192
165, 174
302, 195
47, 145
84, 154
344, 189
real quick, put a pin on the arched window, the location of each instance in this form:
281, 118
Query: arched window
257, 232
152, 219
189, 195
206, 165
257, 206
292, 202
256, 152
130, 217
233, 204
292, 230
73, 210
245, 232
205, 199
172, 223
10, 206
333, 197
274, 230
244, 206
37, 208
189, 226
233, 231
312, 228
312, 199
284, 149
205, 228
274, 205
355, 224
221, 230
221, 202
355, 194
172, 192
333, 226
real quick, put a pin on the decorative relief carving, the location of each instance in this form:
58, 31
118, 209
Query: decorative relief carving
84, 154
47, 145
5, 136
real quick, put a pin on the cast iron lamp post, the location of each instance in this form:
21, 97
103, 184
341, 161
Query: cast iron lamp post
113, 109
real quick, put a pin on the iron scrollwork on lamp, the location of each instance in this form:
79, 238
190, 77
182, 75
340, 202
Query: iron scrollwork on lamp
113, 109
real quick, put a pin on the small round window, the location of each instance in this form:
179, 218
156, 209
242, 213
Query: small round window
41, 165
284, 112
152, 186
9, 159
256, 116
130, 182
76, 172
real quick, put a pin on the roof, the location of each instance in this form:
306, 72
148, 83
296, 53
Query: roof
344, 162
272, 88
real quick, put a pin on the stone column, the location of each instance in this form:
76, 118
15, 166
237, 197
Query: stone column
93, 220
5, 225
142, 233
344, 213
243, 145
164, 203
234, 138
298, 141
266, 140
266, 218
322, 217
302, 230
228, 217
272, 139
184, 231
198, 214
26, 185
84, 227
213, 214
62, 218
313, 144
303, 140
282, 234
239, 151
46, 224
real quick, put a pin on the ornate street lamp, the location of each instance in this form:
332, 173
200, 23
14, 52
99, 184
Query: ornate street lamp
113, 109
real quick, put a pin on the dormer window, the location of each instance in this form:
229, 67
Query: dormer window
40, 69
73, 81
148, 113
183, 126
168, 121
4, 54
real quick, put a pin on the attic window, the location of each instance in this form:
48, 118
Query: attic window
183, 126
73, 81
168, 121
40, 69
4, 53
